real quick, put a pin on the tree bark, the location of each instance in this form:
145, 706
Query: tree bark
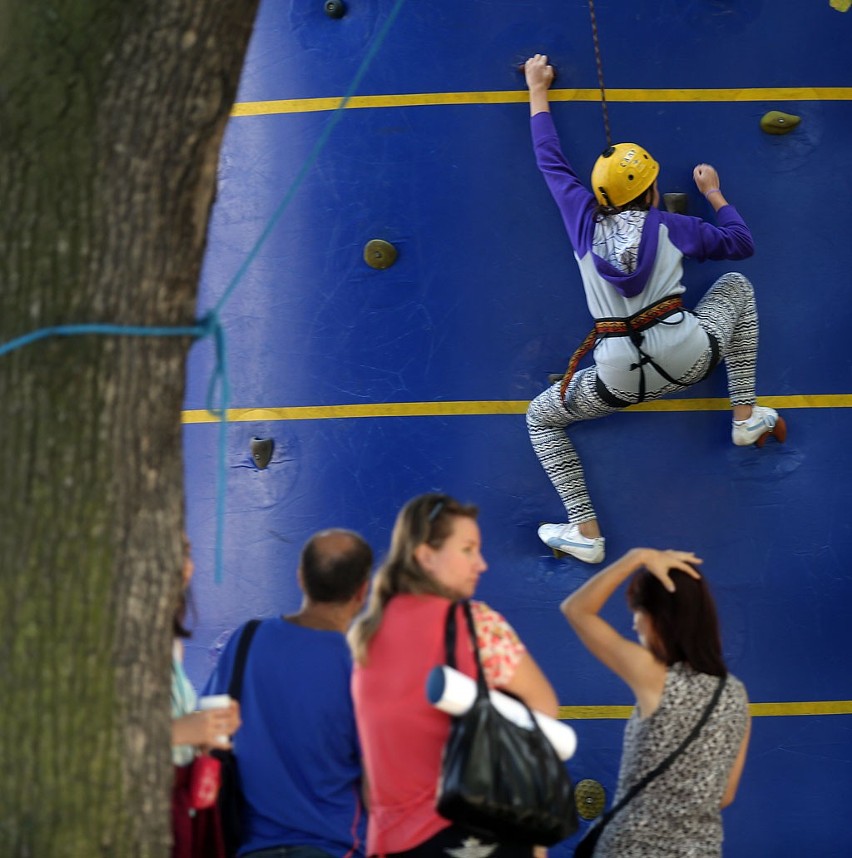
111, 119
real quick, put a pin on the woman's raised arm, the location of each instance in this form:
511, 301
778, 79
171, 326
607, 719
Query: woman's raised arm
634, 663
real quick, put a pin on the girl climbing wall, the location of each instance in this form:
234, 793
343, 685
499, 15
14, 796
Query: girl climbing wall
648, 345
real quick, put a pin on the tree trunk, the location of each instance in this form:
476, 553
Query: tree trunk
111, 118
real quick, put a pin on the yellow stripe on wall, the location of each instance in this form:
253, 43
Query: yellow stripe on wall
758, 710
488, 407
820, 707
426, 99
591, 713
826, 400
384, 409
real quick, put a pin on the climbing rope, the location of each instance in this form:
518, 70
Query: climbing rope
199, 330
599, 64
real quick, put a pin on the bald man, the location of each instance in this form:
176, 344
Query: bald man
297, 750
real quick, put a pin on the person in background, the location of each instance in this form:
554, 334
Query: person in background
673, 671
435, 559
298, 755
194, 832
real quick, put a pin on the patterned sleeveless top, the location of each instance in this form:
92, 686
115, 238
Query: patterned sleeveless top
677, 814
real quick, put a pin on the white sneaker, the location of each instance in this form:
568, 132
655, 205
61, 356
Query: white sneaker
762, 423
567, 539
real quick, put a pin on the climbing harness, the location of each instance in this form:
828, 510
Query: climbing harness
632, 326
599, 65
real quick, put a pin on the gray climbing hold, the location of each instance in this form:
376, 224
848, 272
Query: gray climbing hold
261, 451
678, 203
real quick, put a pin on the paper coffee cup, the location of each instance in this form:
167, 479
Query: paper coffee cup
215, 701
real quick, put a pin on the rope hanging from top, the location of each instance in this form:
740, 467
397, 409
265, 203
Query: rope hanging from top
599, 64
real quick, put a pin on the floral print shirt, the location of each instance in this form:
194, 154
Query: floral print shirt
500, 648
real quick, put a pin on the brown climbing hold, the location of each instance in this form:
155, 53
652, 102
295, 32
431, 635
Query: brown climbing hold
590, 798
379, 253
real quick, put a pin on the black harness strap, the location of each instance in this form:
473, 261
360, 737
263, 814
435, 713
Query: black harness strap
633, 327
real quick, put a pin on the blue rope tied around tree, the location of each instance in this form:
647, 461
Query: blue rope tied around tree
94, 328
208, 326
218, 391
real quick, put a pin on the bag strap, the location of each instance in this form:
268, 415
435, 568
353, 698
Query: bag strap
667, 762
450, 642
482, 690
235, 687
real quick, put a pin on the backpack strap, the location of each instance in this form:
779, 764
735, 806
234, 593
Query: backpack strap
235, 687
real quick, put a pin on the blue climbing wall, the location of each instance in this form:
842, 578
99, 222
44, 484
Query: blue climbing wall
376, 385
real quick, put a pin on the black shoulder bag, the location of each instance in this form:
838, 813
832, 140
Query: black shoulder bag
230, 799
499, 779
586, 847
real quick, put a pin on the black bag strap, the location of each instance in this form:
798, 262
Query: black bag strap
481, 685
667, 762
450, 642
235, 687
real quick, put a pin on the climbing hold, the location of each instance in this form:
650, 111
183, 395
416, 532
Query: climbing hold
379, 253
841, 5
335, 8
776, 122
677, 203
522, 68
590, 798
261, 451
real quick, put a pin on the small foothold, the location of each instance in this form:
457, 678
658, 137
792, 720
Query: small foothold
261, 451
677, 203
555, 377
776, 122
590, 798
334, 8
379, 253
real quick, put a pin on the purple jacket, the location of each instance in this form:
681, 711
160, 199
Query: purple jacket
666, 238
690, 236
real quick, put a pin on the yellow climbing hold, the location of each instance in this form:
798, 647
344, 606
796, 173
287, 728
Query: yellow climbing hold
841, 5
776, 122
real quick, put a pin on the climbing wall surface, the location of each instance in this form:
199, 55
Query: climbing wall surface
377, 384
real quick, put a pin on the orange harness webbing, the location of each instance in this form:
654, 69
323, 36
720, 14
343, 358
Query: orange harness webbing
627, 327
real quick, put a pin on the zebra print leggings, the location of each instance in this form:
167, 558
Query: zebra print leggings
727, 312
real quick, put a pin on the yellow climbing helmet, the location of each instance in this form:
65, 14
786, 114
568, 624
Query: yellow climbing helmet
622, 172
